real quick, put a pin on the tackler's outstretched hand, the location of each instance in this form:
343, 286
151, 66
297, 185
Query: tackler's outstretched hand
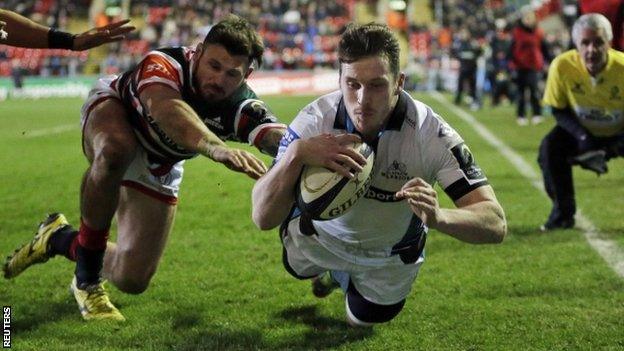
101, 35
239, 161
422, 199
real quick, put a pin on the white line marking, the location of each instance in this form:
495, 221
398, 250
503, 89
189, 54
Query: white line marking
49, 131
608, 249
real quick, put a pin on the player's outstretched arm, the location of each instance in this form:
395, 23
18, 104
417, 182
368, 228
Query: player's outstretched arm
22, 32
478, 218
180, 122
273, 195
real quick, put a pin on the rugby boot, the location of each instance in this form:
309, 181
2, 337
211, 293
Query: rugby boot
94, 303
36, 251
323, 285
554, 224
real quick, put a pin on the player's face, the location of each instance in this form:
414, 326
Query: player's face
593, 46
217, 73
370, 93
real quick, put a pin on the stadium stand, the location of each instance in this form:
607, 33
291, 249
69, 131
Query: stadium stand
300, 35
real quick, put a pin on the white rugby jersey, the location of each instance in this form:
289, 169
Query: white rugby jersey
240, 117
416, 142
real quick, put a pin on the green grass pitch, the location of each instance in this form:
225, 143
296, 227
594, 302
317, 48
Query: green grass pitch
221, 285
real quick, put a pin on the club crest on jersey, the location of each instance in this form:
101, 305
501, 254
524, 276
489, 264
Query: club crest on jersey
396, 170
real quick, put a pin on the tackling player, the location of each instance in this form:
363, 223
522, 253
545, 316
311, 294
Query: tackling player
138, 128
374, 251
16, 30
586, 91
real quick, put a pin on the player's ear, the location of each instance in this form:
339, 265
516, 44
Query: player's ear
198, 51
249, 70
400, 83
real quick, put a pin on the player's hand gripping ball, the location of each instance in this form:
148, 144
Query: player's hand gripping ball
323, 194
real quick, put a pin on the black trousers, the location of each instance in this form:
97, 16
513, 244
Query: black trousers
528, 79
500, 88
555, 152
556, 149
469, 77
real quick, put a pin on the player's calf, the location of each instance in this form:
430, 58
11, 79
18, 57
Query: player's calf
126, 276
130, 285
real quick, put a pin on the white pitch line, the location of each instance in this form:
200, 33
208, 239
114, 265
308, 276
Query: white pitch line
49, 131
607, 249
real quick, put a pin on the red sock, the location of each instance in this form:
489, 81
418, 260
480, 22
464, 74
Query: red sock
72, 249
89, 238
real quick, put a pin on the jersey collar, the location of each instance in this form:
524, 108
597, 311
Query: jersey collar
395, 122
610, 54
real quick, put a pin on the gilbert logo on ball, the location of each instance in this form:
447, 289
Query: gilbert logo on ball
323, 194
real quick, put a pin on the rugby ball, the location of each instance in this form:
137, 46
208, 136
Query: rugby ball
323, 194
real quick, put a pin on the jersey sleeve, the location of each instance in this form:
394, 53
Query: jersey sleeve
450, 161
305, 125
252, 120
554, 94
159, 68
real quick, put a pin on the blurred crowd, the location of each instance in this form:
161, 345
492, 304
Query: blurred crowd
298, 34
18, 61
467, 47
498, 49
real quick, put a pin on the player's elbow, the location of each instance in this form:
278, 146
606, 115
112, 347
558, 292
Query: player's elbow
263, 213
499, 229
499, 235
262, 220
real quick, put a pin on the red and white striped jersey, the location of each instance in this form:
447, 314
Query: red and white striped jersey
241, 117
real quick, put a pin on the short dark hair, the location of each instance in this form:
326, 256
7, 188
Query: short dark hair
237, 36
371, 39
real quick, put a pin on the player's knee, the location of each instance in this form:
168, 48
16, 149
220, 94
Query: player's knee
133, 285
113, 158
363, 313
